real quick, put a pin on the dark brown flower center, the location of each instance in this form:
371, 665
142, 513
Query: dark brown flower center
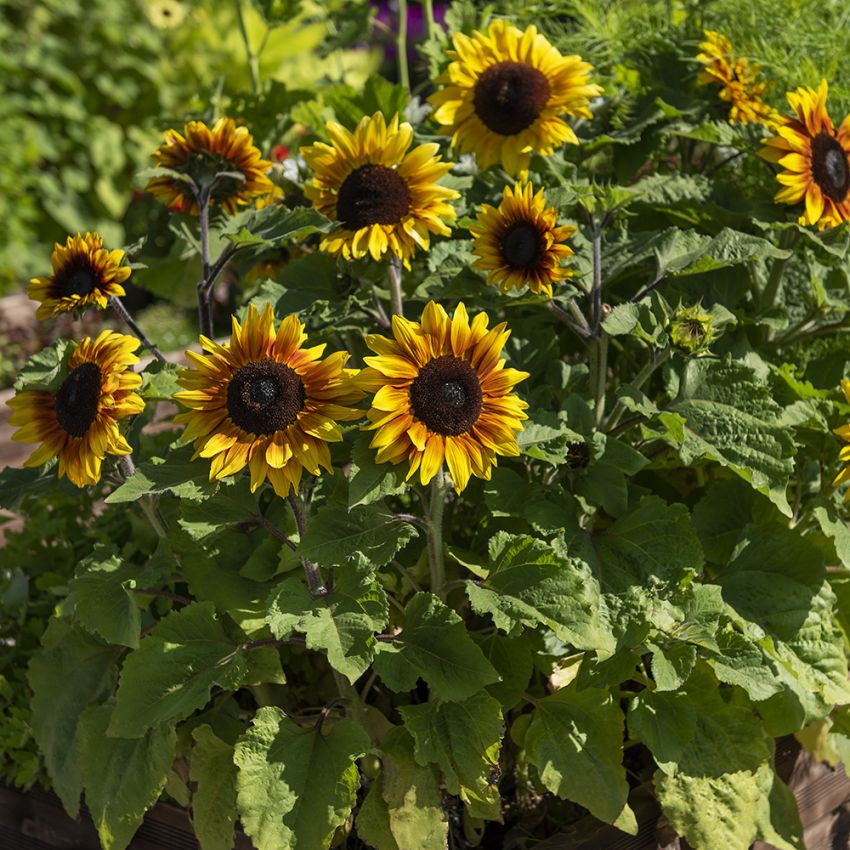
509, 96
372, 194
265, 396
446, 395
829, 167
523, 246
578, 455
78, 277
78, 398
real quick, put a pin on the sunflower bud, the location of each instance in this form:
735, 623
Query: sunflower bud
692, 330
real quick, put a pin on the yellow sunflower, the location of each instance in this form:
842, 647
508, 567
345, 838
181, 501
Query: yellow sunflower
79, 422
85, 274
814, 158
505, 93
844, 432
738, 78
443, 393
519, 243
202, 152
385, 196
265, 402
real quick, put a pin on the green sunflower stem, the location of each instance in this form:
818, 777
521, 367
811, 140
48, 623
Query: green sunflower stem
315, 583
637, 382
599, 375
204, 288
401, 45
436, 560
253, 59
124, 314
777, 270
148, 503
428, 6
394, 280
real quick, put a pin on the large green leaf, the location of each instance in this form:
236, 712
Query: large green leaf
123, 776
435, 645
725, 413
272, 224
512, 658
464, 739
530, 583
214, 801
72, 670
343, 623
296, 785
575, 740
175, 474
174, 669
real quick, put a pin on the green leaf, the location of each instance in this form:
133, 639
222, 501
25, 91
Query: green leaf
464, 739
575, 740
232, 503
103, 601
174, 669
373, 820
46, 369
511, 656
214, 801
18, 484
344, 622
671, 665
529, 583
435, 645
159, 381
175, 473
272, 224
369, 481
71, 671
296, 785
123, 777
725, 413
720, 516
366, 536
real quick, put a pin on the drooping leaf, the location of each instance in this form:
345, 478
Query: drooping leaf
295, 786
71, 671
464, 739
174, 669
123, 776
214, 801
274, 223
435, 645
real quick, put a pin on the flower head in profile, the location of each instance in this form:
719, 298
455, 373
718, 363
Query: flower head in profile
692, 329
85, 274
221, 159
265, 402
442, 393
385, 197
738, 78
814, 159
505, 92
79, 421
519, 243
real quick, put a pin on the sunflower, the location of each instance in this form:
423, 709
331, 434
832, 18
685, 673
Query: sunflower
844, 432
265, 402
814, 158
443, 394
85, 274
79, 422
519, 244
505, 94
201, 153
738, 78
386, 199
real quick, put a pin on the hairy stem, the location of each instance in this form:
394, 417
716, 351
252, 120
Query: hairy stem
124, 314
394, 280
311, 570
639, 380
253, 59
148, 503
204, 289
436, 506
401, 45
777, 270
599, 376
428, 6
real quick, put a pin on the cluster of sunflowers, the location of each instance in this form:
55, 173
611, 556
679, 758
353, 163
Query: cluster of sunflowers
441, 390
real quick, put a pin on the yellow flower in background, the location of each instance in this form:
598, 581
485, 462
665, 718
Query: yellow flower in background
201, 152
814, 159
844, 432
265, 402
165, 14
443, 394
85, 274
79, 422
385, 196
519, 243
738, 78
505, 93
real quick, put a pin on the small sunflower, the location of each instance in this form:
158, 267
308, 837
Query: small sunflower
79, 422
738, 78
386, 199
85, 274
265, 402
505, 93
519, 243
844, 432
443, 394
814, 158
202, 152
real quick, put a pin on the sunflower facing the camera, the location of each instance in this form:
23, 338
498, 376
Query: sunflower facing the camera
442, 393
385, 197
505, 93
